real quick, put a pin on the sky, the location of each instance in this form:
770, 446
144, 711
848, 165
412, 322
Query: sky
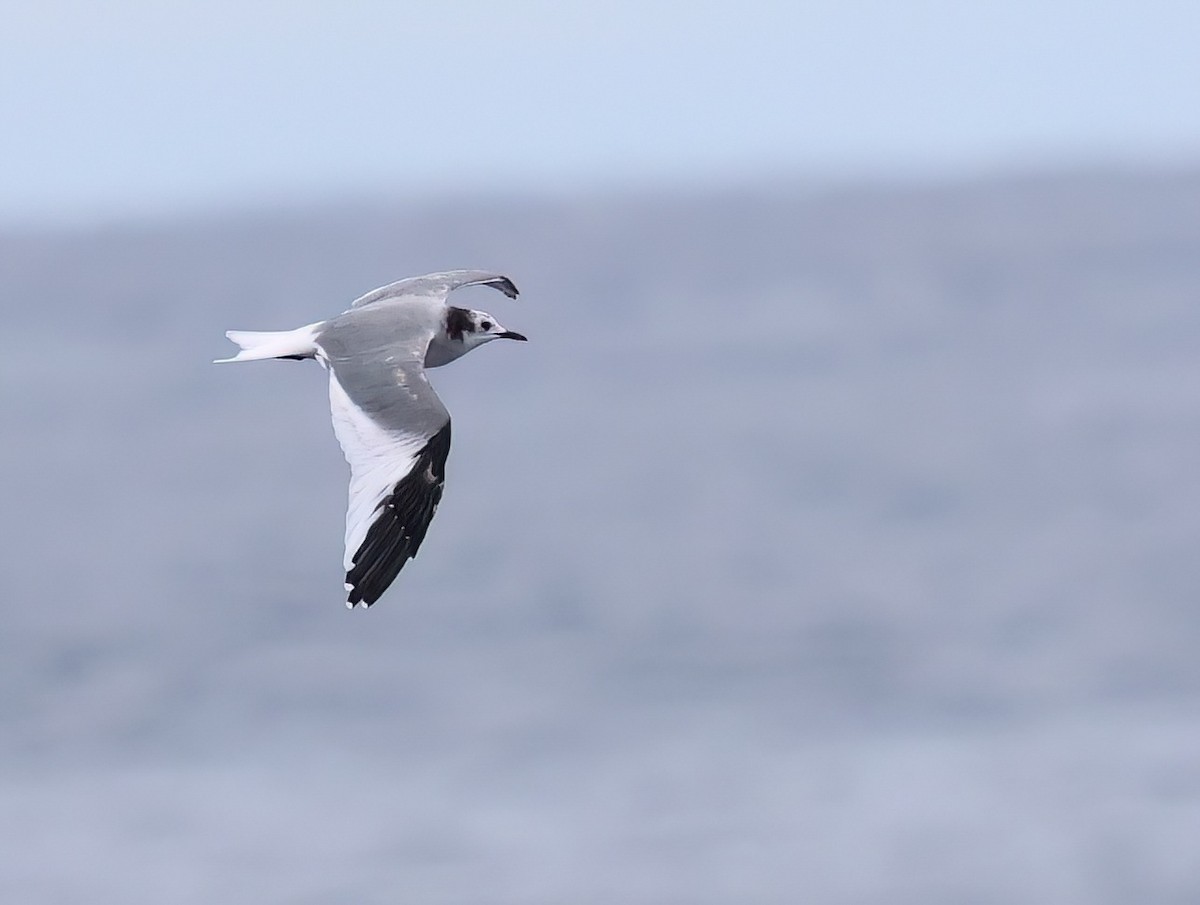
135, 108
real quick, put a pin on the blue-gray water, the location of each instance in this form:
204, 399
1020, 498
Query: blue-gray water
833, 547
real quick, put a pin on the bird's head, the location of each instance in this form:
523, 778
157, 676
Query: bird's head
474, 328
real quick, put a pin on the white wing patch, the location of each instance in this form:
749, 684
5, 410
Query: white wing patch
378, 459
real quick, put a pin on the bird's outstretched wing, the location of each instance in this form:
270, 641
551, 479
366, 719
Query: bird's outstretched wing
395, 434
437, 284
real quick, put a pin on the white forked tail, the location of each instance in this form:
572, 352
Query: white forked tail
296, 343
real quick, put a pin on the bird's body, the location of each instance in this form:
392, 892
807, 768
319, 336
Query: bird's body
391, 425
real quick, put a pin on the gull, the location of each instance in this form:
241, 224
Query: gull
392, 427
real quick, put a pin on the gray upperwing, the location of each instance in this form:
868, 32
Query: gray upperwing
438, 285
395, 434
396, 395
378, 357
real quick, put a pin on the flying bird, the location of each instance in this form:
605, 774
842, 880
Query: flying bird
392, 427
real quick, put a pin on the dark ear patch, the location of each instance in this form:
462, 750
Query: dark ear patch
458, 322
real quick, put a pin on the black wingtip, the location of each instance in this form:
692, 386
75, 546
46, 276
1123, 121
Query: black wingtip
508, 287
400, 526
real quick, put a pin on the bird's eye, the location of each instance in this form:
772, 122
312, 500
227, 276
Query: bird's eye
487, 325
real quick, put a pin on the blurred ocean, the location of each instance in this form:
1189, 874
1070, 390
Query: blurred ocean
821, 546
